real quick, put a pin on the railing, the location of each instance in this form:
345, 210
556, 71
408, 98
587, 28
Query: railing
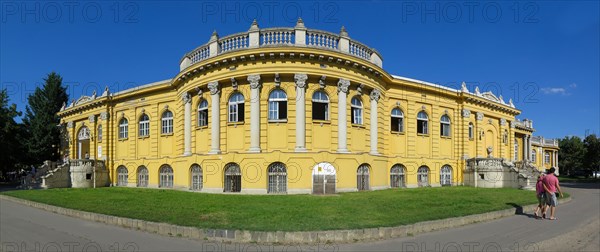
322, 39
269, 37
551, 142
277, 36
234, 42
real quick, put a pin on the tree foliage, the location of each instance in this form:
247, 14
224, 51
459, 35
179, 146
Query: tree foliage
41, 121
591, 159
570, 155
10, 132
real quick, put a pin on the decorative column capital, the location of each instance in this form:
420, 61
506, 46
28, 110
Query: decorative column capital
479, 116
343, 85
466, 113
92, 118
502, 121
70, 124
375, 95
104, 115
254, 80
300, 79
186, 98
513, 124
213, 87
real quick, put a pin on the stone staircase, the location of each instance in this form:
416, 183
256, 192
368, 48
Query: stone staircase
46, 176
528, 174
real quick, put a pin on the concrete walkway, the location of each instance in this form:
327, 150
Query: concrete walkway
28, 229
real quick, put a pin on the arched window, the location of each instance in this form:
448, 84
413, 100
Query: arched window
196, 175
142, 176
122, 176
423, 176
277, 105
397, 179
471, 131
203, 113
123, 128
397, 120
167, 122
533, 155
356, 109
445, 126
277, 178
144, 125
516, 151
446, 175
236, 108
100, 133
362, 177
422, 120
165, 176
233, 178
320, 106
505, 137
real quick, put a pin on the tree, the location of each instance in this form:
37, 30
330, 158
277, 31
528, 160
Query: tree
41, 120
10, 146
570, 155
591, 159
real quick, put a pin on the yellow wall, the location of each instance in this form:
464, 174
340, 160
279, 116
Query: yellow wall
277, 139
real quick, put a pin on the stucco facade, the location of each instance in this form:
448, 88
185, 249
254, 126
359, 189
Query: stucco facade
295, 106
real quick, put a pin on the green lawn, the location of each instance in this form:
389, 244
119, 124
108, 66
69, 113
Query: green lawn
284, 212
578, 180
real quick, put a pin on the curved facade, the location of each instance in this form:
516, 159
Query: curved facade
292, 110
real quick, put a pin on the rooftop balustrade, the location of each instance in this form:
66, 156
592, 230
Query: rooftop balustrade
299, 36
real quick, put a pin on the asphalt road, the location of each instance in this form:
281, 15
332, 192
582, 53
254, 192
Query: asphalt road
24, 228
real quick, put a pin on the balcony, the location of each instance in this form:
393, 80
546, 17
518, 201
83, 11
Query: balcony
299, 36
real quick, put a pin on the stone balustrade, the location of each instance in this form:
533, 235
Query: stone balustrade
274, 37
541, 141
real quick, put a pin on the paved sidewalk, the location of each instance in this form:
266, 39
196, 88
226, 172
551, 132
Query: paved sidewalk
28, 229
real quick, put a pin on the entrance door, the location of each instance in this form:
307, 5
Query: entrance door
324, 178
83, 143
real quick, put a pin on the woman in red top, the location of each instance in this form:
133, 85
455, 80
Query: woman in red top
541, 196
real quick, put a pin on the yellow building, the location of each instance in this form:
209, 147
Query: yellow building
293, 110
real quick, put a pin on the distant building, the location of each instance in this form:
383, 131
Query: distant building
296, 110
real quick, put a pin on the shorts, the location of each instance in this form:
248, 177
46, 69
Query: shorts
551, 199
541, 199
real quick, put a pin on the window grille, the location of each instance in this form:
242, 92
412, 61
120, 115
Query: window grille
122, 176
277, 178
446, 175
363, 178
166, 176
423, 176
233, 178
397, 179
197, 180
142, 177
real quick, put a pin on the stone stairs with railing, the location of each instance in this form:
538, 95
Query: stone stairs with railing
529, 173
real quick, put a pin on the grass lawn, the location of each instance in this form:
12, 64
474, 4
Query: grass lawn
355, 210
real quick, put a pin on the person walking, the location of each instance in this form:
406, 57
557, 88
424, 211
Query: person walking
540, 193
551, 186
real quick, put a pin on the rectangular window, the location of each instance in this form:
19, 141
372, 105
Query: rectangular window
422, 127
445, 130
236, 112
397, 124
277, 110
356, 116
167, 126
203, 118
123, 131
144, 128
320, 111
470, 132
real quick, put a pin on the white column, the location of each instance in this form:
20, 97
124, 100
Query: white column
555, 159
300, 80
375, 94
187, 124
215, 123
343, 86
254, 112
529, 147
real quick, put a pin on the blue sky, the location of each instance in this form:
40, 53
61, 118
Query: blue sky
543, 55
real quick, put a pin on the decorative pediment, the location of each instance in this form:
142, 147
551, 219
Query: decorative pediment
83, 99
490, 96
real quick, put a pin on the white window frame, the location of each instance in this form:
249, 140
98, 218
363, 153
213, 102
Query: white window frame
166, 122
424, 118
322, 98
235, 101
446, 175
122, 176
123, 128
203, 113
144, 126
423, 176
277, 175
398, 115
445, 129
397, 176
356, 110
165, 178
142, 176
277, 97
196, 176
